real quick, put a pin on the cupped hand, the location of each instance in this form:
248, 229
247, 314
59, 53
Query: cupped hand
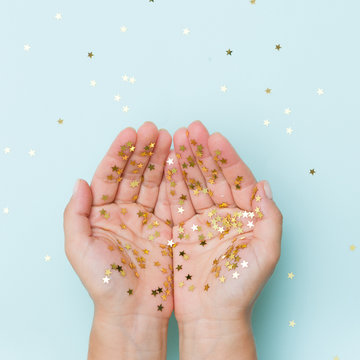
117, 230
227, 227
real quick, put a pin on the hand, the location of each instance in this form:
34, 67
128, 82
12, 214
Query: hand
227, 233
116, 235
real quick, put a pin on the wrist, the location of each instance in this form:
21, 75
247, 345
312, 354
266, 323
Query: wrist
134, 336
217, 338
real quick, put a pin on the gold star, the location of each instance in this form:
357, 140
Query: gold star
206, 287
47, 258
228, 52
90, 55
292, 323
336, 358
181, 284
222, 279
134, 183
191, 288
104, 197
252, 2
290, 275
312, 171
352, 247
268, 91
108, 272
130, 291
257, 198
278, 47
60, 121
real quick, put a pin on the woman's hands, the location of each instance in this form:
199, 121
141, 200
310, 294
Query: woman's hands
227, 233
116, 236
212, 264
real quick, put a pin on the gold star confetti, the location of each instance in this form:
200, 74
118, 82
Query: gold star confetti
289, 130
291, 276
31, 152
117, 98
312, 171
287, 111
191, 288
320, 91
90, 54
130, 291
60, 121
336, 358
266, 122
228, 52
160, 307
92, 83
352, 247
125, 108
222, 279
268, 91
134, 183
253, 2
58, 16
186, 31
292, 323
151, 167
206, 287
47, 258
104, 197
106, 280
27, 47
278, 47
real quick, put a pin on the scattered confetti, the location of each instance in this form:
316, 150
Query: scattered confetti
223, 88
287, 111
31, 152
106, 280
278, 47
125, 108
117, 98
244, 264
268, 91
123, 29
312, 171
186, 31
320, 91
292, 323
92, 83
289, 131
266, 122
90, 54
170, 161
60, 121
27, 47
229, 52
47, 258
58, 16
7, 150
6, 210
352, 247
291, 276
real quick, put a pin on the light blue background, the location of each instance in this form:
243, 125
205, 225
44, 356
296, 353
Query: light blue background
45, 311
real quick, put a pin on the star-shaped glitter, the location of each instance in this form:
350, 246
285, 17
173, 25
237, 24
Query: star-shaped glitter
336, 358
222, 279
277, 47
186, 31
58, 16
312, 171
130, 291
292, 323
291, 275
6, 210
228, 52
132, 80
151, 167
92, 83
117, 97
106, 279
287, 111
47, 258
194, 227
160, 307
27, 47
250, 224
170, 243
123, 29
60, 121
180, 210
244, 264
125, 108
6, 150
235, 275
31, 152
266, 122
268, 91
90, 54
352, 247
320, 91
125, 78
134, 183
206, 287
223, 88
170, 161
289, 131
253, 2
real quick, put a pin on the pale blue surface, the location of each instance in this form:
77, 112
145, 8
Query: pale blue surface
45, 313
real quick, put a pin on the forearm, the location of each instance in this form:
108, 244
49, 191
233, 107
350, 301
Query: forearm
129, 337
217, 339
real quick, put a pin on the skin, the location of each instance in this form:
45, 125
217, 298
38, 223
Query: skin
94, 242
213, 324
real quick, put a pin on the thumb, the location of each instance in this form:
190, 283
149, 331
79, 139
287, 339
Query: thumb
77, 227
268, 228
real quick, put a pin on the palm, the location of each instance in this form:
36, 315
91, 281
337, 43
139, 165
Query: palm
224, 233
126, 264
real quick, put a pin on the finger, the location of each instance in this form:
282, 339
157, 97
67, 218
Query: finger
191, 173
77, 227
162, 207
268, 227
153, 174
237, 174
132, 175
216, 183
177, 191
108, 174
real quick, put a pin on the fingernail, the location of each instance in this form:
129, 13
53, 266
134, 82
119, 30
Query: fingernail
267, 190
76, 186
